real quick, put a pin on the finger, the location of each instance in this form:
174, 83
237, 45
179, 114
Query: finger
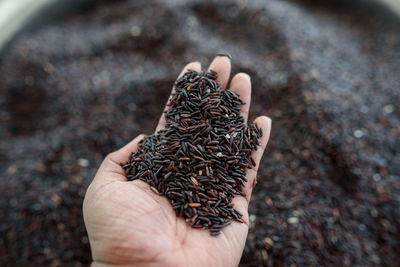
222, 65
242, 203
111, 164
264, 123
191, 66
241, 84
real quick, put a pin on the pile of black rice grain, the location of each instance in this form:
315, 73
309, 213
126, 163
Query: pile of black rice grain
199, 160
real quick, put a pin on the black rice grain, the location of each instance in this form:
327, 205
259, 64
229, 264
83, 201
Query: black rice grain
199, 160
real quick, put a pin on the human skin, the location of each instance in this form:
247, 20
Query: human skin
129, 225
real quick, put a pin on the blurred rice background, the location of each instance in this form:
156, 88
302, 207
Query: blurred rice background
78, 79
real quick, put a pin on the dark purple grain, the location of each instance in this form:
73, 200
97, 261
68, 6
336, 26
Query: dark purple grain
199, 160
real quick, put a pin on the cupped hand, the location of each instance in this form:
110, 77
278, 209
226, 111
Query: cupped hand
129, 225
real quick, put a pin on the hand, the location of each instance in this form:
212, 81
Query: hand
128, 224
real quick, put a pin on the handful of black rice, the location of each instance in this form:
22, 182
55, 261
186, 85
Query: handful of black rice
199, 160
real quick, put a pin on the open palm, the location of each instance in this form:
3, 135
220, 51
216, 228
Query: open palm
129, 225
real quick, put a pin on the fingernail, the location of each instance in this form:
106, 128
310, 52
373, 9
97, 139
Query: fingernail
224, 55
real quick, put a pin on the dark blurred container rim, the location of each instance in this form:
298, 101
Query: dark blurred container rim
17, 16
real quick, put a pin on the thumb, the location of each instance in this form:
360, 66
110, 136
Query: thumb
111, 164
